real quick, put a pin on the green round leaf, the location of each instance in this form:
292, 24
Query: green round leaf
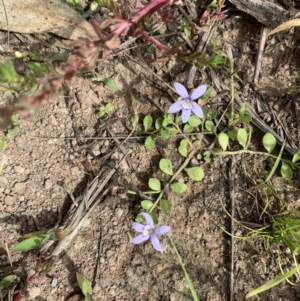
165, 133
147, 122
269, 142
10, 134
223, 140
149, 142
242, 137
178, 187
3, 144
182, 149
232, 134
146, 204
296, 157
134, 120
158, 123
154, 184
286, 171
165, 166
165, 205
195, 173
194, 121
209, 125
139, 218
187, 128
207, 156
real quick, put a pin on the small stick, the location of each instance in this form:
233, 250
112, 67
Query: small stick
232, 199
262, 43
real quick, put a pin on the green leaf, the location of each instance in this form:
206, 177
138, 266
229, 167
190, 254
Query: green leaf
245, 119
147, 122
168, 119
158, 123
139, 218
154, 184
107, 81
286, 171
134, 120
207, 156
110, 83
149, 142
6, 282
146, 204
296, 157
165, 205
30, 243
58, 56
10, 134
182, 149
36, 66
14, 119
242, 137
223, 140
243, 109
3, 144
8, 73
232, 134
187, 128
178, 187
94, 6
172, 131
154, 217
165, 133
207, 93
195, 173
209, 125
165, 166
194, 121
109, 108
36, 56
85, 287
269, 142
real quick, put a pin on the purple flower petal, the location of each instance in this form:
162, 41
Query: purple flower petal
155, 243
181, 90
196, 109
140, 238
148, 219
186, 113
138, 227
176, 107
198, 92
162, 230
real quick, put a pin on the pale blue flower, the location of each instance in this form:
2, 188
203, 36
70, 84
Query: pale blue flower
187, 105
148, 231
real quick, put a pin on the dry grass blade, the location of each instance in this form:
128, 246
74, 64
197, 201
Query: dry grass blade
285, 26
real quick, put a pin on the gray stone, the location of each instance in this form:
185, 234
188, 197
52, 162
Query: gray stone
22, 143
19, 169
3, 181
20, 187
9, 200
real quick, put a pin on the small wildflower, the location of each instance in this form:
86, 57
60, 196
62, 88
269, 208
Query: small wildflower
148, 231
187, 105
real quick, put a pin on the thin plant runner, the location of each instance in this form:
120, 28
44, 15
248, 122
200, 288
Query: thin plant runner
188, 105
148, 231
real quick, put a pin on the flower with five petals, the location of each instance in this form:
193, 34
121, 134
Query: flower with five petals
187, 105
149, 231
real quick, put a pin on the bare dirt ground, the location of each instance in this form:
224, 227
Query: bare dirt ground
63, 144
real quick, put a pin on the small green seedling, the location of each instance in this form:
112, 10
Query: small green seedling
85, 287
